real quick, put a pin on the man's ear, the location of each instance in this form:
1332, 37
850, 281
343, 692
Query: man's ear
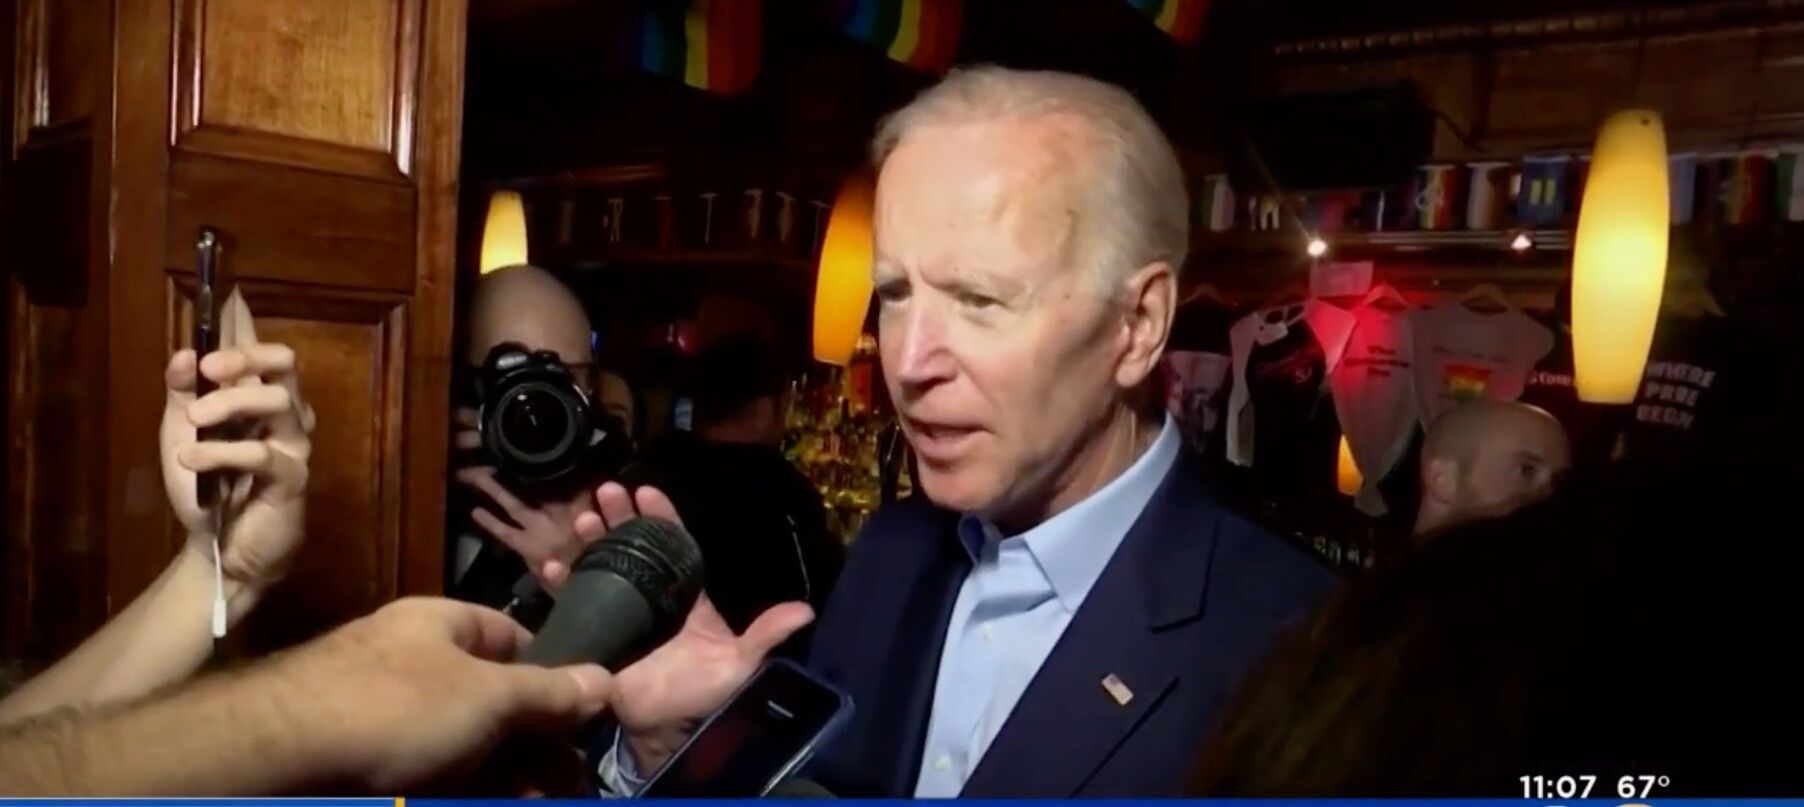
1440, 480
1150, 303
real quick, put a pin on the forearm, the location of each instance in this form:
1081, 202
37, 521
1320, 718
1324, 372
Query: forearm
219, 736
163, 636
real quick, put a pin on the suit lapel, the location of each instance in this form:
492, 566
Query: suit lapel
1069, 722
900, 716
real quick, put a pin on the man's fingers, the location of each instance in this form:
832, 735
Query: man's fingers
652, 502
773, 627
615, 505
556, 697
466, 417
272, 364
482, 632
589, 526
232, 403
269, 362
466, 440
501, 530
510, 504
285, 473
179, 375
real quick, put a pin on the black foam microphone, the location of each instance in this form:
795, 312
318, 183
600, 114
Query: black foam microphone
628, 593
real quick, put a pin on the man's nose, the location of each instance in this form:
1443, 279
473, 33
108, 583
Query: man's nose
917, 346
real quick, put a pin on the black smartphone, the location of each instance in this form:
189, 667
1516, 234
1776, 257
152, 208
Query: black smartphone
209, 297
764, 734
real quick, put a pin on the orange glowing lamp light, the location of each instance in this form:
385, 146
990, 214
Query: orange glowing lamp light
1619, 257
842, 288
1347, 478
503, 233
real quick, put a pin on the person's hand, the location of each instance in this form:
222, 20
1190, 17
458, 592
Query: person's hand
546, 537
660, 698
419, 691
267, 459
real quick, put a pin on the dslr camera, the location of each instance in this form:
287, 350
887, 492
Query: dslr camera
538, 426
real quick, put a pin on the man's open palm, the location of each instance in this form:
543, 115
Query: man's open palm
659, 699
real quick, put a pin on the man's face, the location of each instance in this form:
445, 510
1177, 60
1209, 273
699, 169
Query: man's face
999, 350
1516, 464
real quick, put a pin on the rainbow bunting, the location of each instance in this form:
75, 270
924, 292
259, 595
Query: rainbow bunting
1182, 20
712, 45
922, 34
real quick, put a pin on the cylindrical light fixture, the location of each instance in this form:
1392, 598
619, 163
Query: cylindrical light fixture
842, 288
504, 232
1347, 478
1619, 257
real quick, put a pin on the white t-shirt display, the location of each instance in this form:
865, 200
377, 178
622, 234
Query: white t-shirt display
1464, 354
1374, 391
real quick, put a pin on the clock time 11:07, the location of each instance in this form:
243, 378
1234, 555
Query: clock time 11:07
1580, 787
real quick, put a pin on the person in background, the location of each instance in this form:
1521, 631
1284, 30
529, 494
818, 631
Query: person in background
512, 532
616, 398
1630, 625
1064, 610
1485, 458
166, 633
760, 523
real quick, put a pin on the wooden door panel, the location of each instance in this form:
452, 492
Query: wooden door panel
54, 590
294, 225
350, 352
54, 82
326, 85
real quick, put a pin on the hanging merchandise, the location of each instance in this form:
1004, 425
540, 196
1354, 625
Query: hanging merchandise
714, 45
1291, 346
1479, 346
1182, 20
922, 34
1788, 184
1197, 364
1374, 392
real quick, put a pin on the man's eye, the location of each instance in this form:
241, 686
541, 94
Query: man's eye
978, 301
892, 292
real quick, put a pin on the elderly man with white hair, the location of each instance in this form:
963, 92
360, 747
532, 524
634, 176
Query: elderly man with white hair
1065, 610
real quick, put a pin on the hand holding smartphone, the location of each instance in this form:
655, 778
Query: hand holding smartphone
767, 732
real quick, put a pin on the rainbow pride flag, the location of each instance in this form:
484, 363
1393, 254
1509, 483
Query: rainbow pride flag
1182, 20
714, 45
922, 34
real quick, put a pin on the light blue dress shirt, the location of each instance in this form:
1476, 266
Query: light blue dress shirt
1017, 601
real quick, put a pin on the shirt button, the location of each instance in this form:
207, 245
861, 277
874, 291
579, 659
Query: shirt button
943, 763
988, 633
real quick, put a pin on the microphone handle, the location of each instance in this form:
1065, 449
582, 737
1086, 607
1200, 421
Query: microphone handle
611, 628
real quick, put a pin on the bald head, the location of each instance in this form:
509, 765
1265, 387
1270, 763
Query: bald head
527, 305
1487, 458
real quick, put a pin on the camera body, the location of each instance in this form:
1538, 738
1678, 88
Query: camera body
538, 425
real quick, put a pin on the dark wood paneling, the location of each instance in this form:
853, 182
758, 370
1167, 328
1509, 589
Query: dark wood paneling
295, 225
55, 83
329, 86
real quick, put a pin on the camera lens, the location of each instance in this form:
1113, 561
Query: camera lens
535, 422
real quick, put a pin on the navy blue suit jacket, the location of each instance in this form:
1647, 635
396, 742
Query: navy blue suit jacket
1193, 596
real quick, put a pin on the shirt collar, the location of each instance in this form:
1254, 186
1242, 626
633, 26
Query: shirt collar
1073, 547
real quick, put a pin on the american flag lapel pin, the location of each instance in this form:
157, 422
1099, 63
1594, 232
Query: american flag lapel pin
1118, 690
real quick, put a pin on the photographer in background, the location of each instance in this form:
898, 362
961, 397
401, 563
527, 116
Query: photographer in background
761, 524
509, 518
167, 632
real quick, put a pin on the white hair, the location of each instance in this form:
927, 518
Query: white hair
1137, 208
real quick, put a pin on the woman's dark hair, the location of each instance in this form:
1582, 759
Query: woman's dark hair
1616, 629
